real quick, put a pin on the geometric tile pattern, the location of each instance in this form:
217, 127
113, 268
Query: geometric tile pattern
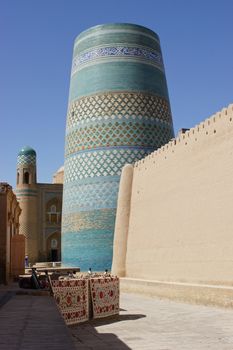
123, 133
25, 229
103, 162
26, 159
90, 196
112, 105
100, 53
104, 132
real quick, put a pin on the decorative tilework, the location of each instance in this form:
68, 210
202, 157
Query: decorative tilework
26, 159
20, 195
106, 162
141, 53
119, 114
92, 196
104, 132
26, 190
124, 133
109, 106
25, 229
101, 219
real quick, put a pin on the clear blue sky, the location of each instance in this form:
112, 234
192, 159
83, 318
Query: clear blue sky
36, 42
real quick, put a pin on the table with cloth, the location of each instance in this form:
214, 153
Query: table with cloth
83, 298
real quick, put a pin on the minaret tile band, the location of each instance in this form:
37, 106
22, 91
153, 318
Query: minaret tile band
27, 196
118, 113
99, 54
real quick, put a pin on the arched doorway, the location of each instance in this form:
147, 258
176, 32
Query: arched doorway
54, 247
54, 252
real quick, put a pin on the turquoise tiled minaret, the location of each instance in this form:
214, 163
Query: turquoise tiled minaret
118, 113
27, 195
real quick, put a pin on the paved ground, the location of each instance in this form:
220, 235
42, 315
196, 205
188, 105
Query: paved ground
152, 324
33, 322
30, 322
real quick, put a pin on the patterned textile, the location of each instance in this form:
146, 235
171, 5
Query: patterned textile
72, 299
105, 296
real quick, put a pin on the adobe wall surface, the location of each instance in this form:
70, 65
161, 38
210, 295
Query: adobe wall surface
181, 216
28, 199
9, 229
3, 237
34, 221
17, 255
49, 195
58, 177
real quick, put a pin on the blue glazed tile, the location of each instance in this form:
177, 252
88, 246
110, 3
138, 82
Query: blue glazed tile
118, 113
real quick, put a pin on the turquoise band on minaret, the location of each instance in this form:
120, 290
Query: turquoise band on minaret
118, 113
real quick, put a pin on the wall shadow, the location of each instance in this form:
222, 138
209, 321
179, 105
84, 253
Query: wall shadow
5, 297
117, 318
86, 337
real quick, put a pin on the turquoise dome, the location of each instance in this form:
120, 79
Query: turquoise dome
26, 155
27, 150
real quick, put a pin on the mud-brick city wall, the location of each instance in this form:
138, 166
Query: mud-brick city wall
181, 214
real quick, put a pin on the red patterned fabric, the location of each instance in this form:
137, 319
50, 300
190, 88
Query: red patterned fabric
72, 299
105, 296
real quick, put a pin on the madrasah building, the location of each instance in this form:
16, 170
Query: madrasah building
167, 215
41, 205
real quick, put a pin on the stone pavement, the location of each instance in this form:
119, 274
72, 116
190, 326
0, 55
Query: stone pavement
145, 323
29, 322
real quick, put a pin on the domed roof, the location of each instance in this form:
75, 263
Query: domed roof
27, 151
27, 156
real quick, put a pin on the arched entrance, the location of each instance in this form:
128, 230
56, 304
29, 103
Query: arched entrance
54, 247
54, 253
